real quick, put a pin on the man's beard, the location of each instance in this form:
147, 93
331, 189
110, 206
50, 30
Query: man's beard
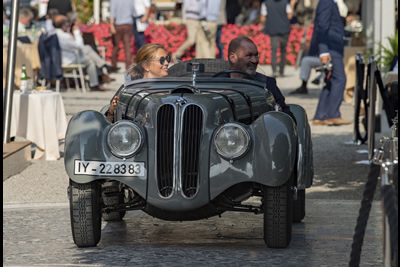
251, 68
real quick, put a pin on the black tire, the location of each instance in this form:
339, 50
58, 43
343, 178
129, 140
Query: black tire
112, 200
278, 213
299, 206
85, 213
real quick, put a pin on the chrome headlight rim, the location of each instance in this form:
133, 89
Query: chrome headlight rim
129, 154
238, 155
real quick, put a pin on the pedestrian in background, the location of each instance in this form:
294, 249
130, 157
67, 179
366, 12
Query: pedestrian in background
70, 39
327, 43
276, 16
233, 9
221, 22
121, 23
205, 41
307, 63
193, 26
141, 10
24, 20
48, 24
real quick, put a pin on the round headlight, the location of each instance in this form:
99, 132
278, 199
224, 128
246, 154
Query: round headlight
125, 139
232, 141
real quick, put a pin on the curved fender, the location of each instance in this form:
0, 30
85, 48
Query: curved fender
305, 170
270, 160
274, 148
86, 140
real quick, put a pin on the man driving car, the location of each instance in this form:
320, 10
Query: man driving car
243, 56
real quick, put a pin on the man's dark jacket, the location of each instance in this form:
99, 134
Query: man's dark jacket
328, 30
50, 57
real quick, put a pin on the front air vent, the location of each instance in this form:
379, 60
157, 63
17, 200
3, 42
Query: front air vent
191, 135
165, 149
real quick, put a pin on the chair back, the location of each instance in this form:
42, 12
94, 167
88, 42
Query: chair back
50, 57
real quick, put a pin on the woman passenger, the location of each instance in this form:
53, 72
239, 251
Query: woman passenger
151, 62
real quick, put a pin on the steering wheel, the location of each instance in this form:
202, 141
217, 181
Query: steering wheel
250, 77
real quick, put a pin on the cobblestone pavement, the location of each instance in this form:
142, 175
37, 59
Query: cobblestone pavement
41, 235
37, 231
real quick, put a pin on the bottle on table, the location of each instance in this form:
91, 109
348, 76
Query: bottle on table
23, 85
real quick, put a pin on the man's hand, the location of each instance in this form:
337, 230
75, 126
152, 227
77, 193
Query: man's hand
324, 59
144, 18
277, 107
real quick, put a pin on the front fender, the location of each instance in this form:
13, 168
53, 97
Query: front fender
305, 169
270, 160
86, 140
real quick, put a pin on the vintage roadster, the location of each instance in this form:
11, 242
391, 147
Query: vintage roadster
187, 147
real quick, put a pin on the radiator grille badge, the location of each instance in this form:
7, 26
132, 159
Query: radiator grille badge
180, 101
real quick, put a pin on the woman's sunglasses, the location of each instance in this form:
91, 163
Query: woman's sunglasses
163, 59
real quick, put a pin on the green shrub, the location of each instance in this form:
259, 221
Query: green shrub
385, 55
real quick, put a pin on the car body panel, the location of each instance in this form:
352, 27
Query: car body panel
270, 160
305, 171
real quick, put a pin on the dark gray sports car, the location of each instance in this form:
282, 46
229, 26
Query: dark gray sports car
188, 147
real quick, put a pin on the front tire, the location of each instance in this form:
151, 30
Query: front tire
85, 213
278, 212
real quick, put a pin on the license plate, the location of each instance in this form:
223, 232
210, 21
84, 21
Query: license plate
109, 168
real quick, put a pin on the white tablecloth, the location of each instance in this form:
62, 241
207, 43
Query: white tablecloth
40, 118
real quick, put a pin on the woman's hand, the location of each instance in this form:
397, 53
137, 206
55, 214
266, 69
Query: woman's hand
112, 108
113, 105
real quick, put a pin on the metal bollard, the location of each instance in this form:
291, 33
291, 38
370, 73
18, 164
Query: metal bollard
371, 109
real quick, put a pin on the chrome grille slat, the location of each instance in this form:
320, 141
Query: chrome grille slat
165, 149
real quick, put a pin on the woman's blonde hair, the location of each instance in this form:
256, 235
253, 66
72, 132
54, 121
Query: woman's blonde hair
144, 54
147, 52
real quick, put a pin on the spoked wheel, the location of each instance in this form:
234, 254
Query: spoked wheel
85, 213
111, 196
278, 213
299, 206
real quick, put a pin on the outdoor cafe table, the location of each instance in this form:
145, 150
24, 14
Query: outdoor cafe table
40, 118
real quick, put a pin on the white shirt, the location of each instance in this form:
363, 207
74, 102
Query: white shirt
48, 24
139, 7
68, 44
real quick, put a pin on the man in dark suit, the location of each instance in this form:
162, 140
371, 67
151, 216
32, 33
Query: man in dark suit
243, 56
327, 43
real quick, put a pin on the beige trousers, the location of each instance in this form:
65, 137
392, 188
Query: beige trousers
205, 44
193, 27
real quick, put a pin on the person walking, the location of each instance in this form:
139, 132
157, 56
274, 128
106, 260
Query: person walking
193, 26
141, 10
276, 16
307, 64
221, 22
205, 42
121, 23
327, 43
